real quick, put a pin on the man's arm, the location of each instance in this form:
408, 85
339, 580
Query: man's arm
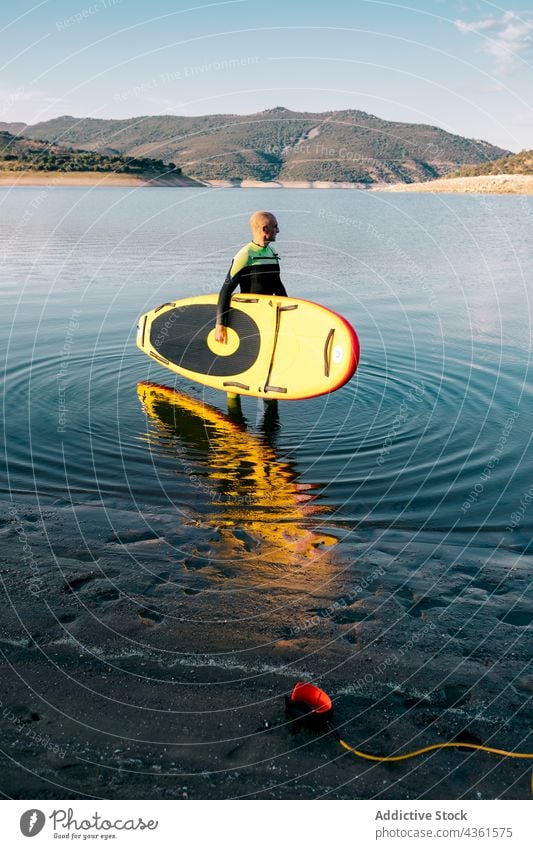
224, 298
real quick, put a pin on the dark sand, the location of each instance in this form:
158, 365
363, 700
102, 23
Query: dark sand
134, 671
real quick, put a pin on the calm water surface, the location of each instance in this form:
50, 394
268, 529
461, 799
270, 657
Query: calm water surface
432, 434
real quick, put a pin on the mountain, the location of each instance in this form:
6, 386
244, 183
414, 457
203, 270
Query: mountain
278, 144
16, 128
517, 163
18, 153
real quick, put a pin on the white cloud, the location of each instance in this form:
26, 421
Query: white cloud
26, 104
476, 26
506, 37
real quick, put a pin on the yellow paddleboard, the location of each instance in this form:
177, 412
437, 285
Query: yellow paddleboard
277, 347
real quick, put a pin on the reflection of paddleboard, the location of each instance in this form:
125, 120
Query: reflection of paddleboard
246, 484
277, 347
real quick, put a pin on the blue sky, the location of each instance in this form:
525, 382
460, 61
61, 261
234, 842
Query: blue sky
464, 65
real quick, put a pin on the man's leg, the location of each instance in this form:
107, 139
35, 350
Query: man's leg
234, 406
271, 415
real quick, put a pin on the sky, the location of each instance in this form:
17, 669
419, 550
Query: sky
463, 65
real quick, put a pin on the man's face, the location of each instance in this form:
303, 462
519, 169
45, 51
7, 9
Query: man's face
271, 229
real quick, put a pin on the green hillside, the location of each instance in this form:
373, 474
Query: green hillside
518, 163
22, 154
277, 144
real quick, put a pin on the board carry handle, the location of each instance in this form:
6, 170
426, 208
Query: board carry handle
144, 328
276, 334
158, 357
279, 389
235, 384
327, 351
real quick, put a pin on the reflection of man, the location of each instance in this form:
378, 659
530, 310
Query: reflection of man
255, 269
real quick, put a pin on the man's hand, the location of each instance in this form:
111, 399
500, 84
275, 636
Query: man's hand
221, 334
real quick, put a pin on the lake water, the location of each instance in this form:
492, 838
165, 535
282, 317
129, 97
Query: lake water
401, 500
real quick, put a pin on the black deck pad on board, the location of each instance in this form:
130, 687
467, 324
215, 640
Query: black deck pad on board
180, 335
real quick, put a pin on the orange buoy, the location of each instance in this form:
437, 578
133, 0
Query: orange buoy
311, 697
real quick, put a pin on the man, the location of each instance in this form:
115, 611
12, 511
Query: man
255, 268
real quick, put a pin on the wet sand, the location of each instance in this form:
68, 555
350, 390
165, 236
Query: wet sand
131, 670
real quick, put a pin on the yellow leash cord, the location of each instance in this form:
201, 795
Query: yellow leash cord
433, 748
308, 702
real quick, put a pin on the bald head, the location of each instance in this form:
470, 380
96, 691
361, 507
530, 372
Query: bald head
264, 227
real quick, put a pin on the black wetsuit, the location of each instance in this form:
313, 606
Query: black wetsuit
256, 270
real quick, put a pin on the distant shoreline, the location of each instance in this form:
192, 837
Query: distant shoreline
92, 178
284, 184
521, 184
104, 178
493, 184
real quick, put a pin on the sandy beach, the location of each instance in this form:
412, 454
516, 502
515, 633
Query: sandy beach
90, 178
498, 184
95, 178
515, 184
